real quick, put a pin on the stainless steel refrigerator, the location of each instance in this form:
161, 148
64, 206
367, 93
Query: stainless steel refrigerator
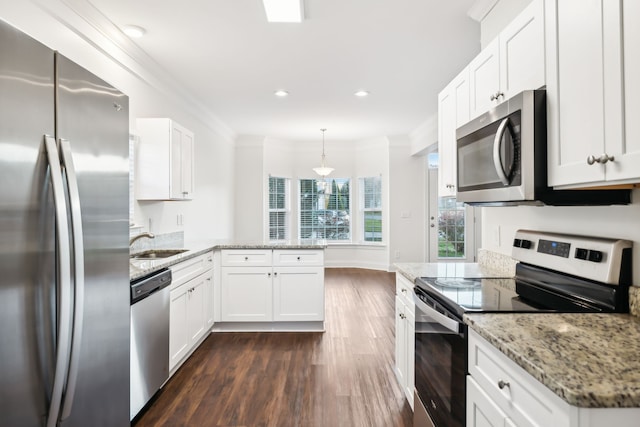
64, 270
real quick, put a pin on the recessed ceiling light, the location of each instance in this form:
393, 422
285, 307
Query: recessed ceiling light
283, 10
361, 93
134, 31
281, 93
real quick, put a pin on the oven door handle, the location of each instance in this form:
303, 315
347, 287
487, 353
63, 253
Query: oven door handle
451, 324
497, 159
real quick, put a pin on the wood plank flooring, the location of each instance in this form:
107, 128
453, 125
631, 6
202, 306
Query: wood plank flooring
342, 377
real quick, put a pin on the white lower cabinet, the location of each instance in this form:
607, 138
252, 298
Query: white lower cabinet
190, 307
405, 336
264, 285
501, 393
246, 294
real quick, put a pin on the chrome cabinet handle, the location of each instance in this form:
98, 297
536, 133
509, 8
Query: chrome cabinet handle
78, 253
604, 158
495, 96
502, 384
403, 290
63, 278
402, 316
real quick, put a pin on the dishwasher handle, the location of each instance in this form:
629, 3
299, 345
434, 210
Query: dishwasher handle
142, 288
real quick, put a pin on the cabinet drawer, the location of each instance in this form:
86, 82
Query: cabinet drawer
190, 268
523, 398
404, 291
246, 257
294, 258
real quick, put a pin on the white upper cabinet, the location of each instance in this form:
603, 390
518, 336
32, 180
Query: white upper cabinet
511, 63
453, 112
164, 160
593, 92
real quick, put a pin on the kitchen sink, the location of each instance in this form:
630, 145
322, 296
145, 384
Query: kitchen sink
157, 253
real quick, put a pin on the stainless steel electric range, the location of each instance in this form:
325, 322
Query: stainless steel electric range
555, 273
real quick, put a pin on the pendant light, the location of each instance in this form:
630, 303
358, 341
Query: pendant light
323, 170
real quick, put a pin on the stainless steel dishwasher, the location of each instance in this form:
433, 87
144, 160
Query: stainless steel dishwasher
149, 337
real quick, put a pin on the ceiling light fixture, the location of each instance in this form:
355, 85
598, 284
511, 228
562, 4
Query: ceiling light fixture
134, 31
281, 93
361, 93
284, 10
323, 170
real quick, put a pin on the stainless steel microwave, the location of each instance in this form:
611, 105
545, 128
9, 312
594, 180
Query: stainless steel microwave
502, 159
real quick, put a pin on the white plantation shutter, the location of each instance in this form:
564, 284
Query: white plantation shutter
278, 208
371, 205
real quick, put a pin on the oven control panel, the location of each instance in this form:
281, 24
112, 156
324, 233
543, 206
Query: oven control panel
593, 258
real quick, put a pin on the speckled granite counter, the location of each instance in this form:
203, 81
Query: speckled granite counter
142, 268
589, 360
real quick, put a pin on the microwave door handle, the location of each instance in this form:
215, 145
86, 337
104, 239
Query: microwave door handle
497, 144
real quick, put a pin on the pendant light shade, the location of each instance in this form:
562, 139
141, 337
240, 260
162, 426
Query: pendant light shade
323, 170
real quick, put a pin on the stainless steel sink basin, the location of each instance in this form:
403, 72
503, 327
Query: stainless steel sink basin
157, 253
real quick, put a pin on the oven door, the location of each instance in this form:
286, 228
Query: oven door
440, 361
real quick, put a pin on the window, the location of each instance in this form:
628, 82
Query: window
278, 208
371, 203
325, 209
451, 228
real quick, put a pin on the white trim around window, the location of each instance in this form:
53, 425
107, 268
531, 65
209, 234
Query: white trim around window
278, 209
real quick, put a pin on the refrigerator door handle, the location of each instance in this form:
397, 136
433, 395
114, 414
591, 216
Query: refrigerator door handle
64, 278
78, 256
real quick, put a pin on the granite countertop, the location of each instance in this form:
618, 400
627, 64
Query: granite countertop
443, 269
589, 360
142, 268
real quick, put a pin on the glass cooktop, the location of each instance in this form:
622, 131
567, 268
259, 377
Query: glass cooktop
475, 294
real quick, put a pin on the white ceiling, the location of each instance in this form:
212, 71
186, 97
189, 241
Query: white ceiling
224, 53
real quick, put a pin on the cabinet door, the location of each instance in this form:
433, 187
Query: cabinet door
484, 80
410, 331
481, 410
298, 294
623, 133
575, 90
196, 308
208, 297
246, 294
178, 336
522, 52
446, 143
401, 344
187, 165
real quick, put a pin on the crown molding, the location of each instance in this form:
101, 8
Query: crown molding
480, 8
93, 27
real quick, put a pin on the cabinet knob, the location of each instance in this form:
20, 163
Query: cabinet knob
275, 273
402, 316
604, 158
246, 258
298, 258
502, 384
268, 274
404, 290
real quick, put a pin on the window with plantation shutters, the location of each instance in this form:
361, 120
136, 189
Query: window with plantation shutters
371, 205
325, 209
278, 208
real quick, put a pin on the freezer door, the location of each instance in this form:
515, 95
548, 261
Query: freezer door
27, 259
93, 117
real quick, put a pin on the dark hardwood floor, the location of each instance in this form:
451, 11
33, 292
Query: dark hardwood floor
342, 377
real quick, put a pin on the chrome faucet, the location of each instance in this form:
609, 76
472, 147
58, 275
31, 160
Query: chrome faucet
140, 236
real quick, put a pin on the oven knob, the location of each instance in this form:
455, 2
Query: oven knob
581, 253
517, 243
595, 256
526, 244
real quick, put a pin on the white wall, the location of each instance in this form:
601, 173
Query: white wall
249, 189
151, 94
407, 203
